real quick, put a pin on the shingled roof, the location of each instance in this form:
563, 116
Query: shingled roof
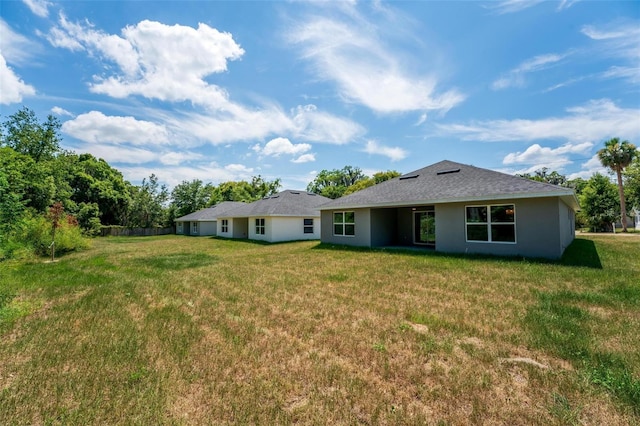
446, 182
210, 213
285, 203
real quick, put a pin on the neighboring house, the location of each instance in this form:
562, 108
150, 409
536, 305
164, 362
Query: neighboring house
636, 214
286, 216
203, 222
456, 208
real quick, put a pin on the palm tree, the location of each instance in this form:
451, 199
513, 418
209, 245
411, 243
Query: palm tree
616, 156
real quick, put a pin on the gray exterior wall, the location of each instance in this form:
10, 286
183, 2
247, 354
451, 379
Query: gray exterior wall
567, 220
544, 228
538, 231
362, 237
207, 228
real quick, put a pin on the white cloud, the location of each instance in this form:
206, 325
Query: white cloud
61, 111
593, 165
96, 127
619, 40
394, 153
317, 126
304, 158
176, 158
17, 49
365, 71
156, 61
118, 154
512, 6
516, 76
13, 88
537, 156
38, 7
172, 176
595, 120
422, 119
279, 146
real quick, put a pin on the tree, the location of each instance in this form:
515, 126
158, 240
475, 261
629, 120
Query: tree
189, 197
599, 203
334, 183
617, 156
23, 133
148, 204
543, 175
257, 189
366, 182
632, 183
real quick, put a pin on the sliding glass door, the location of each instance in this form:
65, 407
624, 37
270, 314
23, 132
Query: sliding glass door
424, 228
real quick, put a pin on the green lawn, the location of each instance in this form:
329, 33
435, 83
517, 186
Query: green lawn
181, 330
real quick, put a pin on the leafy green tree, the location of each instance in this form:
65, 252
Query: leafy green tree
93, 180
543, 175
27, 180
599, 203
334, 183
26, 135
632, 183
189, 197
366, 182
88, 216
257, 189
616, 156
147, 207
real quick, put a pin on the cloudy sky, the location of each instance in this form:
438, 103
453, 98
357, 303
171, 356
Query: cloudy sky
223, 91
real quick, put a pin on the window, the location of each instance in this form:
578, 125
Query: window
260, 226
344, 223
179, 227
308, 226
495, 224
194, 227
225, 225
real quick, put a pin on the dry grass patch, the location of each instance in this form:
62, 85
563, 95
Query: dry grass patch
178, 330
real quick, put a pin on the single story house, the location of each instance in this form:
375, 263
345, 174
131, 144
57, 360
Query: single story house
456, 208
286, 216
203, 222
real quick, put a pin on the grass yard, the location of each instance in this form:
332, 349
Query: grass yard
180, 330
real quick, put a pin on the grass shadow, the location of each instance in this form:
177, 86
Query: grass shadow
177, 261
582, 252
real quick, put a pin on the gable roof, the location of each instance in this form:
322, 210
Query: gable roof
210, 213
285, 203
447, 182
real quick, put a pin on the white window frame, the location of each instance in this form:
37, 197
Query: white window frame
306, 227
224, 226
260, 226
343, 223
194, 227
488, 224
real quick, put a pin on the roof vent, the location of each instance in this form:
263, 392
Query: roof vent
408, 177
293, 192
446, 172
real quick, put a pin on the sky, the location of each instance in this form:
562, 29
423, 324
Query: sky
219, 91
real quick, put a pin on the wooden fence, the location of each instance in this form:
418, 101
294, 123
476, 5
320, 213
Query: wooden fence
114, 231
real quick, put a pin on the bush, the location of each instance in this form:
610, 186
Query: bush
33, 235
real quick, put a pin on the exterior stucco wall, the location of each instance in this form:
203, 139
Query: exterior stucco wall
567, 223
239, 227
207, 228
279, 229
362, 235
537, 229
383, 227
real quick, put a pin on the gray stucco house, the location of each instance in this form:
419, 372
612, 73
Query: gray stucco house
204, 222
456, 208
286, 216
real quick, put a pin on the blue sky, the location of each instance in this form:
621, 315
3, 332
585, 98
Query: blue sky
222, 91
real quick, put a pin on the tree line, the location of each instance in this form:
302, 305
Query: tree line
40, 181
